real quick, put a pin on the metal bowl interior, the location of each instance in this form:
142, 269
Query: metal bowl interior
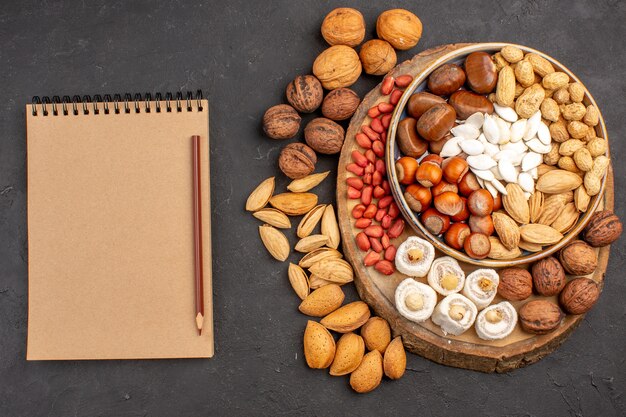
393, 153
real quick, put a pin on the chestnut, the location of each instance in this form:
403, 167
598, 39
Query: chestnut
462, 215
477, 245
468, 184
435, 222
420, 102
443, 186
466, 103
432, 158
454, 169
436, 122
480, 203
456, 235
446, 79
481, 73
409, 142
481, 224
417, 197
405, 169
428, 174
436, 147
448, 203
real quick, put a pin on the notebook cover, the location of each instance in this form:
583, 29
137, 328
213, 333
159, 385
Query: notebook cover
110, 235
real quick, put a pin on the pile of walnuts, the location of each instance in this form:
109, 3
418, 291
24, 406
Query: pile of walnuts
335, 69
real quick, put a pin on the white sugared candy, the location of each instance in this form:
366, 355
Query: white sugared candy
446, 276
481, 287
414, 257
414, 300
501, 147
496, 321
455, 314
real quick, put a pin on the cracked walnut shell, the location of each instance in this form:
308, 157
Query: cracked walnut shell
337, 66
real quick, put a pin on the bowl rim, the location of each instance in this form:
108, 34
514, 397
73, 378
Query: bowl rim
409, 215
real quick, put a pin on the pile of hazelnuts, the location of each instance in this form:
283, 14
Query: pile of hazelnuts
447, 195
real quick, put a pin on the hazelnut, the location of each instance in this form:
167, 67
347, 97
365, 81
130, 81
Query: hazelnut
337, 66
428, 174
481, 224
281, 122
324, 135
480, 202
515, 284
477, 245
603, 229
457, 312
578, 258
378, 57
297, 160
548, 276
401, 28
469, 184
454, 169
406, 167
340, 104
442, 187
494, 316
540, 316
305, 93
456, 235
579, 295
344, 26
435, 222
448, 203
462, 215
417, 197
414, 301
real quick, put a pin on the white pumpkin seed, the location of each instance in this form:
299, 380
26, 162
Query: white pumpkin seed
525, 180
543, 133
450, 148
507, 170
531, 160
491, 130
534, 173
517, 130
532, 126
489, 186
472, 146
506, 113
505, 131
483, 174
517, 147
491, 149
538, 146
507, 153
496, 173
500, 187
476, 120
481, 161
465, 131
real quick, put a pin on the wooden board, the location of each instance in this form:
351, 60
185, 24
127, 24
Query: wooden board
426, 339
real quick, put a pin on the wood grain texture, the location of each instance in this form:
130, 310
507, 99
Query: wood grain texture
425, 339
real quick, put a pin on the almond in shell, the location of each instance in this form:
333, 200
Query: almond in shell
377, 334
551, 208
318, 255
273, 217
348, 354
535, 205
322, 301
540, 234
294, 204
275, 242
507, 230
330, 228
530, 247
515, 203
394, 360
347, 318
309, 221
335, 270
316, 282
558, 181
298, 280
566, 219
310, 243
261, 195
319, 346
499, 251
368, 375
303, 185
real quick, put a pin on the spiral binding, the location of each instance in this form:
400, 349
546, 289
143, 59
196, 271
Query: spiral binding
102, 105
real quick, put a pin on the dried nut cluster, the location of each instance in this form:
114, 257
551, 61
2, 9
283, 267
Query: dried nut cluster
491, 127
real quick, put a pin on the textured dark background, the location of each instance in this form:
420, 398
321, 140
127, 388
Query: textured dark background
243, 55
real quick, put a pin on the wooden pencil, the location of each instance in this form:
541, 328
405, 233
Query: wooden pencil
197, 227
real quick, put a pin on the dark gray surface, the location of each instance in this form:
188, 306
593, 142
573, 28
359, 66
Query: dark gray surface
244, 55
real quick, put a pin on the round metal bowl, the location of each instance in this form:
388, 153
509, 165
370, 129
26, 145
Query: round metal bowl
393, 153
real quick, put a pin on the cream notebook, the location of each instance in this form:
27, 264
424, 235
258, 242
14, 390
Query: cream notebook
110, 229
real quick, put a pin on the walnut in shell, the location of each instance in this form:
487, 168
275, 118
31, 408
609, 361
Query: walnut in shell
344, 26
297, 160
340, 104
401, 28
515, 284
578, 258
305, 93
337, 66
603, 229
579, 295
378, 57
324, 135
540, 316
548, 276
281, 122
